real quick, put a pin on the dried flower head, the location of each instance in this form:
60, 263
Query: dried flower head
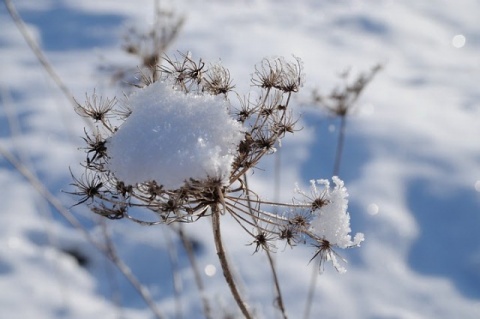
96, 148
324, 253
342, 99
96, 107
217, 80
89, 187
264, 240
278, 73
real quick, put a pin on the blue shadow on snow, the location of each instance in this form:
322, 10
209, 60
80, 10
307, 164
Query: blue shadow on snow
448, 240
63, 28
448, 244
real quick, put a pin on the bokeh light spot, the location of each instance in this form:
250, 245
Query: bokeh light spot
459, 41
373, 209
477, 186
210, 270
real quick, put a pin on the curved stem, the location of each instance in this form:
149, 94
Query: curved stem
224, 263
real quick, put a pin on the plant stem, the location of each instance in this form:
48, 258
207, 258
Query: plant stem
311, 293
37, 51
108, 252
176, 278
336, 171
196, 272
224, 263
279, 298
340, 143
277, 177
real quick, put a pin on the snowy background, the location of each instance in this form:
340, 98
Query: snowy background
411, 161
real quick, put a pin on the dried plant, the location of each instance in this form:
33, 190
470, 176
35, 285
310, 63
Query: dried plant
148, 46
317, 218
341, 102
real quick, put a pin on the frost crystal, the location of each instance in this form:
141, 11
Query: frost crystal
171, 137
331, 221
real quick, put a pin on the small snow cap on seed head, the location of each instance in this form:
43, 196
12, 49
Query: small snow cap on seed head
332, 221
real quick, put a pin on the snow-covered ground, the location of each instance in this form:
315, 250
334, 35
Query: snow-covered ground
411, 161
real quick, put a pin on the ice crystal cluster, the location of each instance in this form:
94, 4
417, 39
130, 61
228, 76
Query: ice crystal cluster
172, 137
331, 221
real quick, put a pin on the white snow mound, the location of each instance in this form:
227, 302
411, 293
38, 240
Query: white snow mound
171, 137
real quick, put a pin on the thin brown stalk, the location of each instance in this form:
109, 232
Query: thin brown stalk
340, 143
311, 292
207, 311
277, 177
279, 298
115, 290
238, 218
336, 172
224, 263
255, 214
42, 205
37, 51
176, 278
45, 193
271, 203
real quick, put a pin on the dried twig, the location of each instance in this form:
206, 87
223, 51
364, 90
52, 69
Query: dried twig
109, 253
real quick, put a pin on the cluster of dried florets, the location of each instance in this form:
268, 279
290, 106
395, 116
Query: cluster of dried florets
147, 124
342, 99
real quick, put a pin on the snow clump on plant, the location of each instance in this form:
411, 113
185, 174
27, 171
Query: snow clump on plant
172, 137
